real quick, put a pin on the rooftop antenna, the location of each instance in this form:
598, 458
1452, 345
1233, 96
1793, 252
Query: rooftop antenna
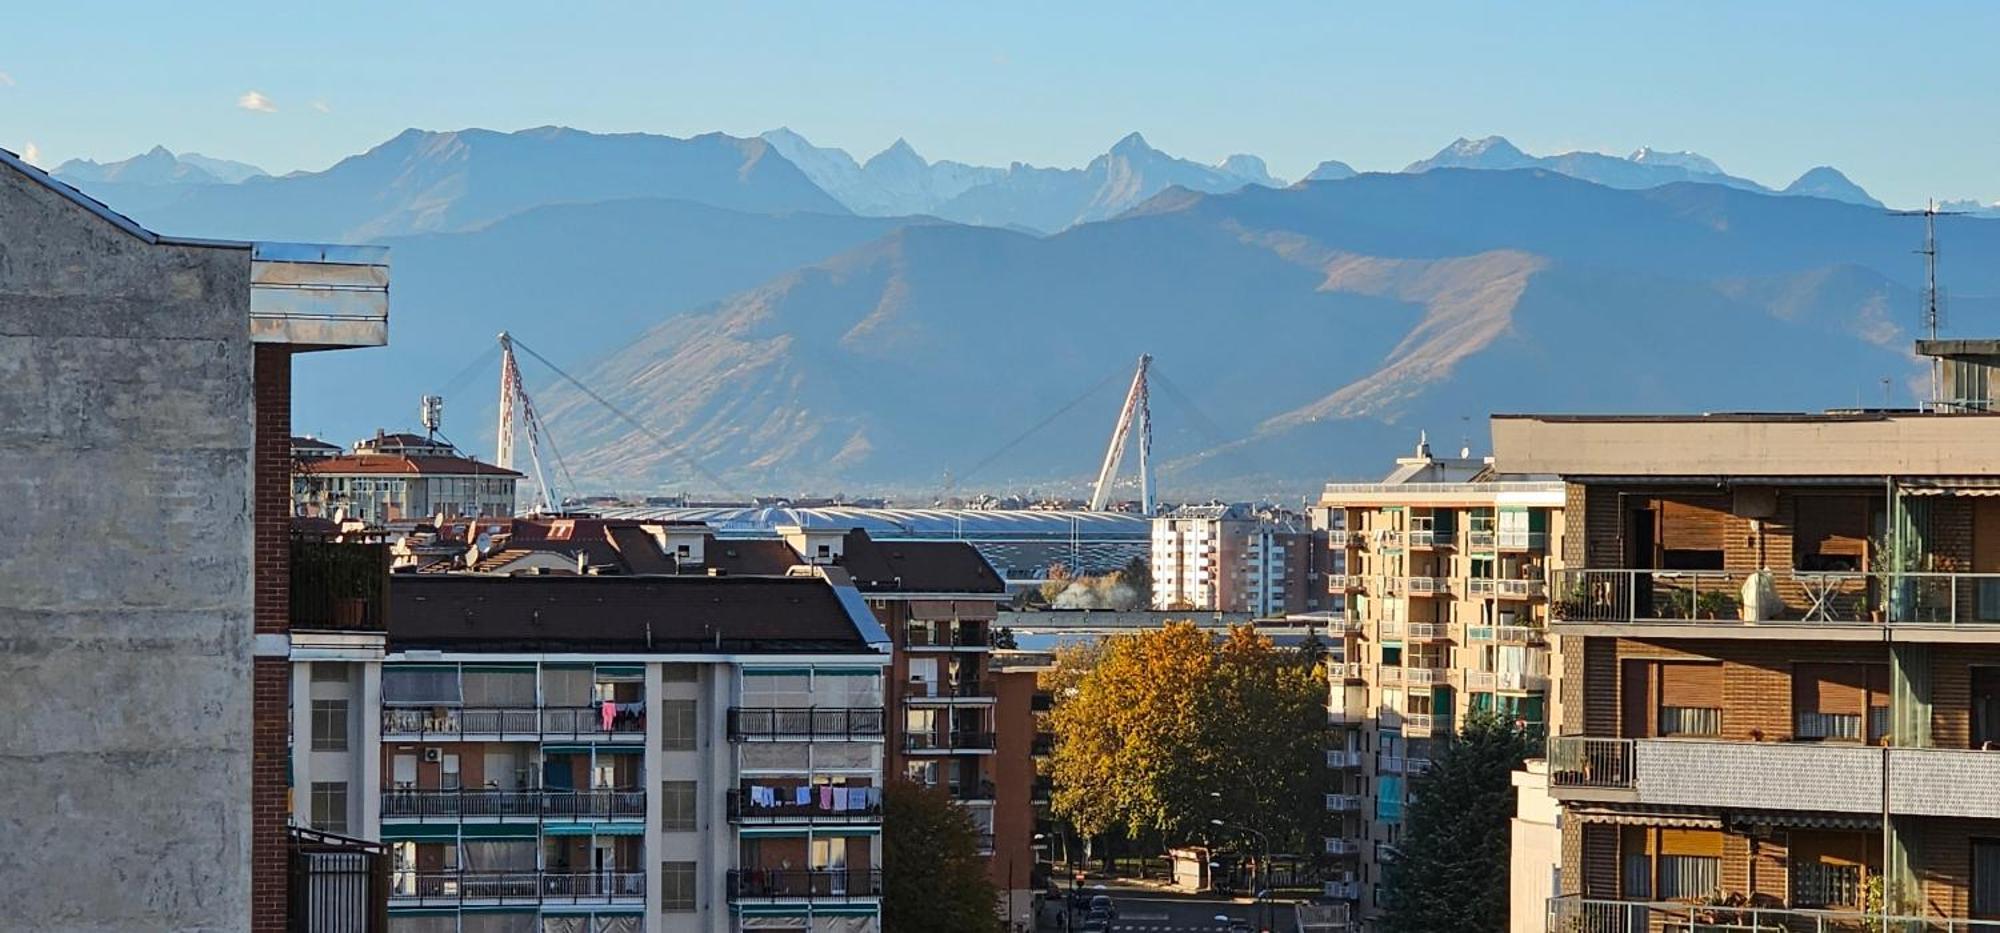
432, 415
1930, 214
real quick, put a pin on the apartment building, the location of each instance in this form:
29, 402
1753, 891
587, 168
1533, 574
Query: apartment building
397, 477
1780, 641
1232, 558
609, 754
148, 405
1437, 605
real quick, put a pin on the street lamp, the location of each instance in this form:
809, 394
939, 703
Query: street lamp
1261, 895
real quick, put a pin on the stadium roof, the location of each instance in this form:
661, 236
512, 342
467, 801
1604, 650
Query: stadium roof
889, 524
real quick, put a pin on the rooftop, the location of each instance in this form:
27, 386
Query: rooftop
619, 615
414, 465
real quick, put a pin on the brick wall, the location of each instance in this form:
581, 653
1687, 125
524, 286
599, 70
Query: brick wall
271, 696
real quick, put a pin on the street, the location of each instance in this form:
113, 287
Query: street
1147, 909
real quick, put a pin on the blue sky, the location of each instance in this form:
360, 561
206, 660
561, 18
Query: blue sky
1902, 97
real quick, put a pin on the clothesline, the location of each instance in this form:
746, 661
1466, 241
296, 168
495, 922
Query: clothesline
827, 797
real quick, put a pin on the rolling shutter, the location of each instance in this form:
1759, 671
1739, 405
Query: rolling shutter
1695, 685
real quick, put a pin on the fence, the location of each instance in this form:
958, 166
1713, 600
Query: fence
337, 884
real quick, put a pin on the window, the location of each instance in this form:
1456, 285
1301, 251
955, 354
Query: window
448, 776
329, 725
1689, 877
1840, 702
420, 686
677, 725
1690, 694
1985, 879
512, 689
329, 806
676, 886
677, 805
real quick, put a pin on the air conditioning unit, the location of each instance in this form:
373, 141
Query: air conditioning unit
433, 755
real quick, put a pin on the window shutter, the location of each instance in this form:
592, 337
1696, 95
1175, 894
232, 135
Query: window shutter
1697, 685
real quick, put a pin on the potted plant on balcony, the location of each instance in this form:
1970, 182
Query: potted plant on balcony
1715, 604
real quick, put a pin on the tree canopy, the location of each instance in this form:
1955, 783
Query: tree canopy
933, 877
1166, 730
1451, 872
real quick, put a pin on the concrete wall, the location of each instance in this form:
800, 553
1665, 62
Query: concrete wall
1536, 851
1864, 445
125, 598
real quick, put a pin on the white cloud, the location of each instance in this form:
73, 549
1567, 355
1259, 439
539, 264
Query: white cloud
255, 100
6, 80
32, 154
321, 106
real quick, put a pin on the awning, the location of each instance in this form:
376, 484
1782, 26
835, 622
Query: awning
750, 831
1616, 818
498, 830
392, 832
1950, 486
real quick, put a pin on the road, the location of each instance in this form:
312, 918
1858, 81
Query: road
1144, 909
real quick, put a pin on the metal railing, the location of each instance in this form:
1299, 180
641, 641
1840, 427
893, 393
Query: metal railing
805, 722
954, 741
819, 808
1343, 803
536, 721
949, 690
1520, 589
1576, 761
962, 635
837, 885
1428, 631
1482, 681
1343, 758
1387, 675
1574, 914
1480, 540
1521, 681
1426, 676
1427, 586
426, 888
471, 802
1342, 847
339, 587
1480, 586
1523, 540
1798, 596
337, 884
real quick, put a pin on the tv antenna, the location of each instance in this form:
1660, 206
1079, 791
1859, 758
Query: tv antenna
432, 414
1930, 213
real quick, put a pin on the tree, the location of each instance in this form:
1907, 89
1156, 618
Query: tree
1450, 873
1137, 575
1163, 719
933, 877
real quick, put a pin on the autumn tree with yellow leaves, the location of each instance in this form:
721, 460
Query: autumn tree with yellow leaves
1160, 732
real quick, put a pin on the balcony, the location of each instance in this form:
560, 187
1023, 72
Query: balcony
1344, 803
451, 888
1348, 670
1481, 681
1575, 913
1044, 745
1342, 848
1524, 540
1354, 538
1043, 788
823, 809
1352, 582
1387, 675
1480, 586
1345, 759
1425, 725
339, 587
1804, 776
1804, 603
799, 886
1389, 537
486, 724
1481, 540
1390, 764
1521, 682
1428, 538
1427, 586
965, 636
840, 724
1520, 589
1428, 631
1345, 889
1427, 676
954, 743
482, 804
948, 693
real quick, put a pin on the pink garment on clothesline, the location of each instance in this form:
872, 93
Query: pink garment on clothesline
607, 711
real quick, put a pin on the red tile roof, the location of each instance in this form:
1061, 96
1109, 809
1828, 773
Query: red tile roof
399, 464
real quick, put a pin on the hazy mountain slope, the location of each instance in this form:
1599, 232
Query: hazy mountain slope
1296, 332
427, 182
1827, 182
573, 281
1132, 171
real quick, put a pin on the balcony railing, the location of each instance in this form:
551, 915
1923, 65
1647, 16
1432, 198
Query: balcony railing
1343, 758
1482, 681
1426, 676
443, 888
576, 722
1429, 631
947, 743
1523, 540
1575, 761
805, 722
1343, 803
1480, 586
819, 808
1521, 681
1337, 846
1387, 675
1427, 586
1520, 589
944, 691
453, 805
961, 636
1811, 597
830, 886
1574, 914
1480, 540
339, 587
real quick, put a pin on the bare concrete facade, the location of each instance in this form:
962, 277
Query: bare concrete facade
125, 590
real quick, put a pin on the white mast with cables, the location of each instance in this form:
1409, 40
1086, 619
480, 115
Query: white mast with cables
1137, 407
511, 389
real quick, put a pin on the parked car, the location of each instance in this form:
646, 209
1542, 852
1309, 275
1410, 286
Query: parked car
1103, 902
1097, 921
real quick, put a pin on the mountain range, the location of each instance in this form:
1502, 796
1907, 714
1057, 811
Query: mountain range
791, 319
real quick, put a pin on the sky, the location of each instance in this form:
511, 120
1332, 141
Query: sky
1900, 97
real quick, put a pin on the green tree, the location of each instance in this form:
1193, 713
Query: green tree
1169, 729
1138, 575
1451, 871
933, 877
